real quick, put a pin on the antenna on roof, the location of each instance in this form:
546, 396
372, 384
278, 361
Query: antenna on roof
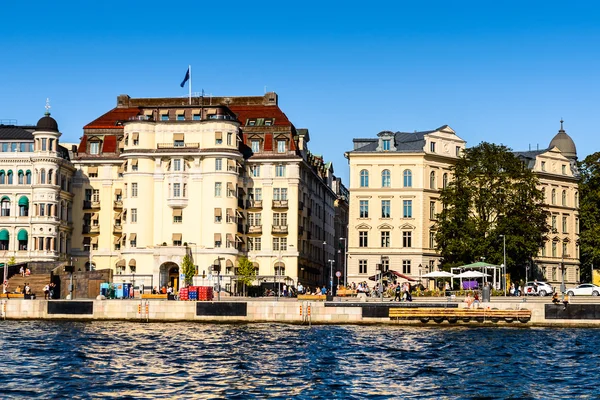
265, 89
47, 107
538, 146
529, 146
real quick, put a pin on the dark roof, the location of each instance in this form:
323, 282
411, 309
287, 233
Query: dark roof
11, 132
247, 112
47, 123
531, 154
404, 142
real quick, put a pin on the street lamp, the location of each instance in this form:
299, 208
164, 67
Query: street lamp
504, 264
331, 276
383, 258
563, 287
345, 264
217, 267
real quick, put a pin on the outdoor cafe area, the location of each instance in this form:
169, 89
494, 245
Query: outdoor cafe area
470, 276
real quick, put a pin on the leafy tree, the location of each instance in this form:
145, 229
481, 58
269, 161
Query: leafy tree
246, 272
12, 261
492, 194
589, 214
188, 268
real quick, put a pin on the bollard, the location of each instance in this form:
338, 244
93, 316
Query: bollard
300, 309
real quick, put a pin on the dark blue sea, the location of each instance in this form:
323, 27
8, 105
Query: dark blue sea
104, 360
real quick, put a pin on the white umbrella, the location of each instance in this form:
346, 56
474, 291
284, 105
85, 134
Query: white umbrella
471, 274
438, 274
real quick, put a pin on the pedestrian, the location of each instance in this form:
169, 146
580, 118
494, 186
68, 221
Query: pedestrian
555, 298
565, 301
512, 289
22, 271
52, 287
5, 287
46, 292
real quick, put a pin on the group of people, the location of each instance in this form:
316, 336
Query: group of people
49, 291
472, 301
402, 292
24, 271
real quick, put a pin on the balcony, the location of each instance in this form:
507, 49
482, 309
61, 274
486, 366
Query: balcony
177, 202
280, 229
118, 229
117, 204
95, 229
254, 229
254, 204
280, 204
178, 146
90, 205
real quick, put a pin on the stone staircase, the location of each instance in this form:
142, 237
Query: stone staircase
36, 282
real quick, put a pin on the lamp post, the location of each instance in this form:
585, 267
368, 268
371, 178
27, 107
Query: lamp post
563, 287
504, 262
345, 265
383, 258
331, 276
217, 267
89, 246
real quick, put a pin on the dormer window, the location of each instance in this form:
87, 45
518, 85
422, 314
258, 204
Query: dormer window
255, 146
564, 169
543, 165
432, 147
94, 147
281, 146
386, 144
251, 122
164, 115
180, 115
269, 121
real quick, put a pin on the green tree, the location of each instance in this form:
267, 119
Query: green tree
492, 194
589, 214
12, 261
188, 268
246, 272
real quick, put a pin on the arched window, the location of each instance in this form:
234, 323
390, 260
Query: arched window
10, 177
23, 206
43, 176
2, 177
543, 194
432, 180
564, 198
22, 237
28, 177
4, 238
49, 177
364, 178
21, 177
386, 178
279, 268
5, 206
445, 181
407, 175
553, 196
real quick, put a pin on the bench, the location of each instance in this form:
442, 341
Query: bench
346, 292
14, 295
154, 296
318, 297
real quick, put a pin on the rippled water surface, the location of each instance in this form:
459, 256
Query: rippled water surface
88, 360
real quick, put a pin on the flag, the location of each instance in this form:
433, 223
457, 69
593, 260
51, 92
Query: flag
187, 77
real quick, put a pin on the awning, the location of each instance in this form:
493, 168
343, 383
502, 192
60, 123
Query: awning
239, 214
117, 240
218, 135
94, 240
95, 216
121, 169
118, 192
177, 212
164, 112
20, 172
148, 112
132, 237
217, 212
134, 162
180, 112
229, 212
229, 263
132, 262
178, 136
135, 136
177, 237
92, 170
22, 235
229, 237
239, 239
392, 273
217, 236
5, 198
195, 112
24, 201
229, 186
120, 263
231, 164
117, 215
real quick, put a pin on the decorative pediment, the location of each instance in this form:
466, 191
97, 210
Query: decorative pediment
254, 136
363, 227
567, 240
556, 239
385, 227
408, 227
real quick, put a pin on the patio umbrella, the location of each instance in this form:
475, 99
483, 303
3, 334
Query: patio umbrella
438, 274
471, 274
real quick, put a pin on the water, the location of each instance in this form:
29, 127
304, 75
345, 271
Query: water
90, 360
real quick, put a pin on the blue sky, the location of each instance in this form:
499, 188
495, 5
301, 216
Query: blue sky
504, 73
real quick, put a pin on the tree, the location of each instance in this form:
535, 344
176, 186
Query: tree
492, 194
246, 272
589, 214
188, 268
12, 261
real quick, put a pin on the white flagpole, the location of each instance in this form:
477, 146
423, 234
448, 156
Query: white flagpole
190, 86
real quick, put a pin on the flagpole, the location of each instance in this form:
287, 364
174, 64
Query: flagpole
190, 98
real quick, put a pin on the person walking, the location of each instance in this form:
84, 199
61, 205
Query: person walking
397, 292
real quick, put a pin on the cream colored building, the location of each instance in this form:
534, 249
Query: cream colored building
36, 201
159, 178
395, 182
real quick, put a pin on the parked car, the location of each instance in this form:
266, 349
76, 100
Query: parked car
585, 289
543, 289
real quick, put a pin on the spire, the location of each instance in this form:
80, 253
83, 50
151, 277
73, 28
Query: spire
561, 125
47, 107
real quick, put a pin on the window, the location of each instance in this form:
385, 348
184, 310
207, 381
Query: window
218, 137
431, 239
45, 145
553, 249
96, 195
553, 196
28, 177
362, 266
258, 194
42, 177
385, 178
407, 209
444, 181
554, 224
543, 165
279, 219
385, 239
180, 117
281, 146
385, 208
196, 116
255, 171
554, 273
564, 197
576, 200
280, 170
364, 178
564, 249
577, 225
386, 144
218, 189
364, 208
177, 190
164, 117
177, 164
385, 265
133, 219
5, 206
432, 147
457, 151
254, 244
229, 139
363, 239
255, 146
432, 180
42, 210
254, 219
278, 194
407, 175
564, 169
543, 249
406, 239
134, 189
178, 218
564, 224
133, 240
218, 164
432, 210
279, 244
94, 147
406, 267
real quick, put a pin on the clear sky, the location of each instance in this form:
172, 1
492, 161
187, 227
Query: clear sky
504, 72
